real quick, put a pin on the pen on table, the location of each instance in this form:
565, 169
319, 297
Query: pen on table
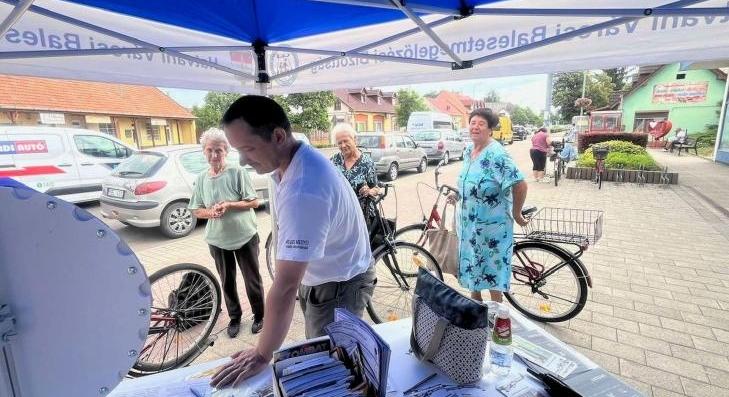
422, 382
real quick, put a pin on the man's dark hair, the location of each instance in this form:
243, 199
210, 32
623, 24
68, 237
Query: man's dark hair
263, 114
487, 114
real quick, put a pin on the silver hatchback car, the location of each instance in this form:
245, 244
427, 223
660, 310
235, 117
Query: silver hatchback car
153, 187
440, 144
392, 153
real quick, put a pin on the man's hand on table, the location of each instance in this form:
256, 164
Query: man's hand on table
245, 364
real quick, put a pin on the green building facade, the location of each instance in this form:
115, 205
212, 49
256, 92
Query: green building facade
691, 100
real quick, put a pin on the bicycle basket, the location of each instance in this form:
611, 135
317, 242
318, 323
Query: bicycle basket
600, 153
191, 300
573, 226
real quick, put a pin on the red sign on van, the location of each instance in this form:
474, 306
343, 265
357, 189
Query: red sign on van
26, 147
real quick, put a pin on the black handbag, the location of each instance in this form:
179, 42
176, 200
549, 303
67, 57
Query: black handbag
449, 329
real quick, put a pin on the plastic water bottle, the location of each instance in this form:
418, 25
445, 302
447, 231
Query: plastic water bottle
501, 351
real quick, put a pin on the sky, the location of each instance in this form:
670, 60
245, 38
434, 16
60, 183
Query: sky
522, 90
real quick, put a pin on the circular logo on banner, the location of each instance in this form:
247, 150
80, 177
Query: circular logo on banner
282, 62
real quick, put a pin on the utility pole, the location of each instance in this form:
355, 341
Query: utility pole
584, 86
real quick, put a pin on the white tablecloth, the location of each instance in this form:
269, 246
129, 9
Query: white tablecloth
404, 370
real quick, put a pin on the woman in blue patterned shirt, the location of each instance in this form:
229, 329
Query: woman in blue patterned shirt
493, 191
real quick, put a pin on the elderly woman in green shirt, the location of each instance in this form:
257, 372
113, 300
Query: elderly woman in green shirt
224, 195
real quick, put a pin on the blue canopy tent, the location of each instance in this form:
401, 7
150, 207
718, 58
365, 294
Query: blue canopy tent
305, 45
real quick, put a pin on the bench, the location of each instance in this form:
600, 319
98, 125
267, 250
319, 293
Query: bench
689, 144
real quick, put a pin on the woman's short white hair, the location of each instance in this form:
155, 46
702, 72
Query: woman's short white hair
344, 128
214, 135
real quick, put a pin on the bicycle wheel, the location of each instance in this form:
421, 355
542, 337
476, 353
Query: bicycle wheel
411, 233
558, 296
599, 180
185, 306
397, 273
270, 265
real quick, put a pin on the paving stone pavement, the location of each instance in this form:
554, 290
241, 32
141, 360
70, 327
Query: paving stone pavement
658, 312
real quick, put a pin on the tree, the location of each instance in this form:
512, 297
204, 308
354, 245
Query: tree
523, 115
408, 101
492, 96
617, 76
568, 89
211, 112
309, 111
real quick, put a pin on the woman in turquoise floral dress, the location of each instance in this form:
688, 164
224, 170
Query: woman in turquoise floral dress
492, 193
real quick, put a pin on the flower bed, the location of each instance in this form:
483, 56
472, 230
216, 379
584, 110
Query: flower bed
621, 155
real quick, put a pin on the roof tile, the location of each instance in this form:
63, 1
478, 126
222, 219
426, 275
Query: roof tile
34, 93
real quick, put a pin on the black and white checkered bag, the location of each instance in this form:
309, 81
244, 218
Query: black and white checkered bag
449, 329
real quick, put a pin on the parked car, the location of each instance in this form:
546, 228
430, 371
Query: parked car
520, 132
69, 163
440, 145
393, 153
466, 136
153, 187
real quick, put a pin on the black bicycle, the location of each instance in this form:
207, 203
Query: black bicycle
559, 164
549, 281
185, 306
396, 264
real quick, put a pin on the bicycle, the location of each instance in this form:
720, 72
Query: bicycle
549, 282
600, 153
186, 302
396, 263
559, 165
415, 233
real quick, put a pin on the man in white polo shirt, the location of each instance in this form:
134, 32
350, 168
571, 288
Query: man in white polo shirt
323, 250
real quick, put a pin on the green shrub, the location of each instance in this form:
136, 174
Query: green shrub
619, 147
559, 128
587, 139
622, 155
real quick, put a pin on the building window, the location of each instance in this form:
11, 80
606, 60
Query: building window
153, 132
378, 125
107, 128
76, 124
361, 126
337, 105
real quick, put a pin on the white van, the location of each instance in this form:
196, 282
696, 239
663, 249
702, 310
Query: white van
68, 163
428, 121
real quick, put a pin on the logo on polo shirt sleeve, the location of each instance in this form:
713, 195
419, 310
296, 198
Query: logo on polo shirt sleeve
297, 244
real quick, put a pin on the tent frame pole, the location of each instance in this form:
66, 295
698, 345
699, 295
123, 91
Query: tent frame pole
556, 12
15, 15
572, 34
129, 39
359, 55
428, 31
365, 47
112, 51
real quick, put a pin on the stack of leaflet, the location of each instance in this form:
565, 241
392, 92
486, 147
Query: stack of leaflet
352, 361
316, 375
